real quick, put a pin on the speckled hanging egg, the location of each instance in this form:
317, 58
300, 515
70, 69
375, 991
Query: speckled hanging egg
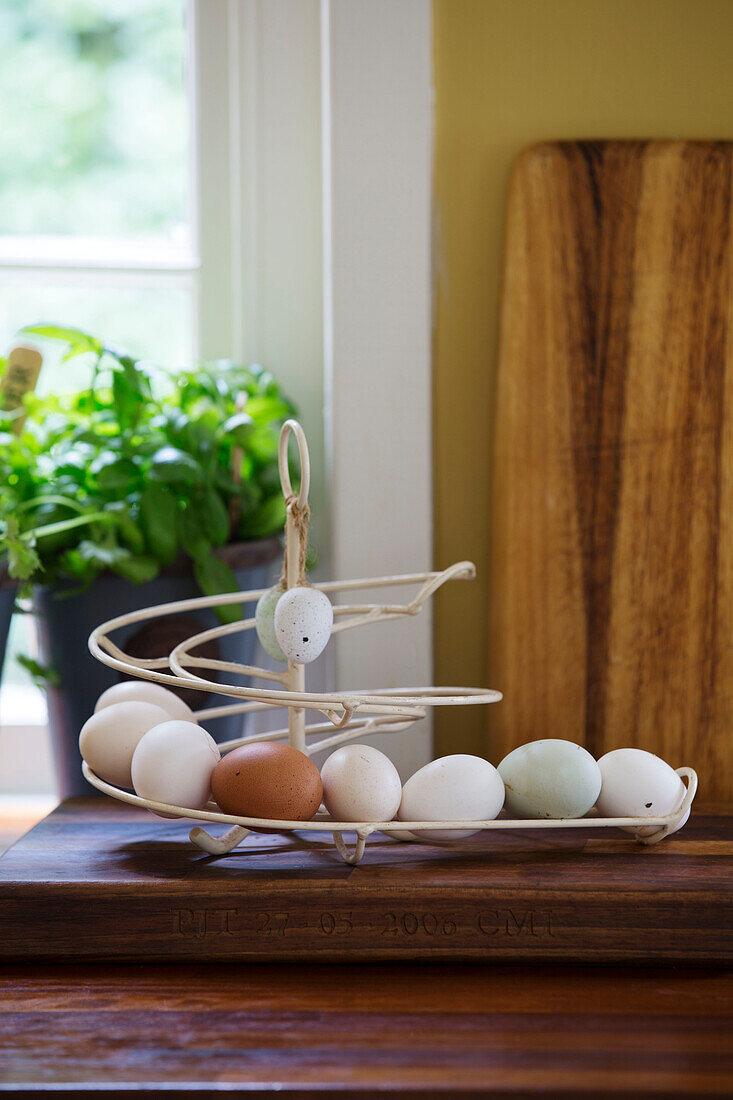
303, 622
265, 622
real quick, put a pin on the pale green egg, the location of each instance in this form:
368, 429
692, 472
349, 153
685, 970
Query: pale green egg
550, 778
265, 622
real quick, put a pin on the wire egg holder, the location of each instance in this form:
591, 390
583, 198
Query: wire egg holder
351, 714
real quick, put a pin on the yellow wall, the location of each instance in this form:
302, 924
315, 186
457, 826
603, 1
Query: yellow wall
509, 73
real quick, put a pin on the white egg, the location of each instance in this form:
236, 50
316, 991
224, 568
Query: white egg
265, 622
636, 783
360, 783
452, 788
550, 778
109, 738
143, 691
303, 622
173, 763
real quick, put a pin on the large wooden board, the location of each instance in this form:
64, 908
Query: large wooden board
98, 879
612, 519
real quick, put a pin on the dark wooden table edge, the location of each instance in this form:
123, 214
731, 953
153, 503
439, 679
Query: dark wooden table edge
253, 1089
404, 958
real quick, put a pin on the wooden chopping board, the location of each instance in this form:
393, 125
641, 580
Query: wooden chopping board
98, 879
612, 511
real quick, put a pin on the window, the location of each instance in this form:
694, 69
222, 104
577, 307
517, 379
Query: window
97, 225
95, 188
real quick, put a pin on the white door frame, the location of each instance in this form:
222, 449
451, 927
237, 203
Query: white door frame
377, 133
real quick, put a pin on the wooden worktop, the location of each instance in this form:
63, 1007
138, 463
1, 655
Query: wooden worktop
422, 1029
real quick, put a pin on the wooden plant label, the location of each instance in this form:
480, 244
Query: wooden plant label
20, 378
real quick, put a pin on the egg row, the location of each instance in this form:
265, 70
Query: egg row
551, 779
143, 736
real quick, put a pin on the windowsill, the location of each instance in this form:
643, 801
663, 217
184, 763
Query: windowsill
19, 813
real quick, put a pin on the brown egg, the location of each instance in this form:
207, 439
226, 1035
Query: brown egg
267, 780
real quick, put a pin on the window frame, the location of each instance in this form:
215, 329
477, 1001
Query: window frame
293, 266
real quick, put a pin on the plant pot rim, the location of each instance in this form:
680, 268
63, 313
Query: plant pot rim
237, 555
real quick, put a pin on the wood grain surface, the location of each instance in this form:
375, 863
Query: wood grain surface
367, 1032
98, 879
612, 544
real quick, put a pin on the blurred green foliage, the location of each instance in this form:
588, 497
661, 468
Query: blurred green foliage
94, 130
140, 467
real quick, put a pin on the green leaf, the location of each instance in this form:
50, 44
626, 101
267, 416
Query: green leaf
194, 536
51, 498
126, 526
213, 515
80, 341
44, 516
23, 561
127, 398
266, 409
311, 559
262, 443
174, 466
158, 519
137, 568
103, 555
249, 495
72, 564
113, 471
224, 481
43, 676
267, 519
239, 425
268, 480
214, 576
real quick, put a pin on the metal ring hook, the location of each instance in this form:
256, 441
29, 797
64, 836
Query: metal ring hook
283, 465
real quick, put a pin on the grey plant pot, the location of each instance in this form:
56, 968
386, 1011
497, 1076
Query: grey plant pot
7, 603
66, 621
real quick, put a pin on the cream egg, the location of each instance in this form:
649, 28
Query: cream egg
636, 783
360, 783
109, 738
173, 763
452, 788
265, 623
550, 778
143, 691
303, 622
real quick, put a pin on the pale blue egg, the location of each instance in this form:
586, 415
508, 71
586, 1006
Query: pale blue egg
550, 778
265, 623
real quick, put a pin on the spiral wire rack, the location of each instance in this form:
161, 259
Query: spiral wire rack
346, 715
